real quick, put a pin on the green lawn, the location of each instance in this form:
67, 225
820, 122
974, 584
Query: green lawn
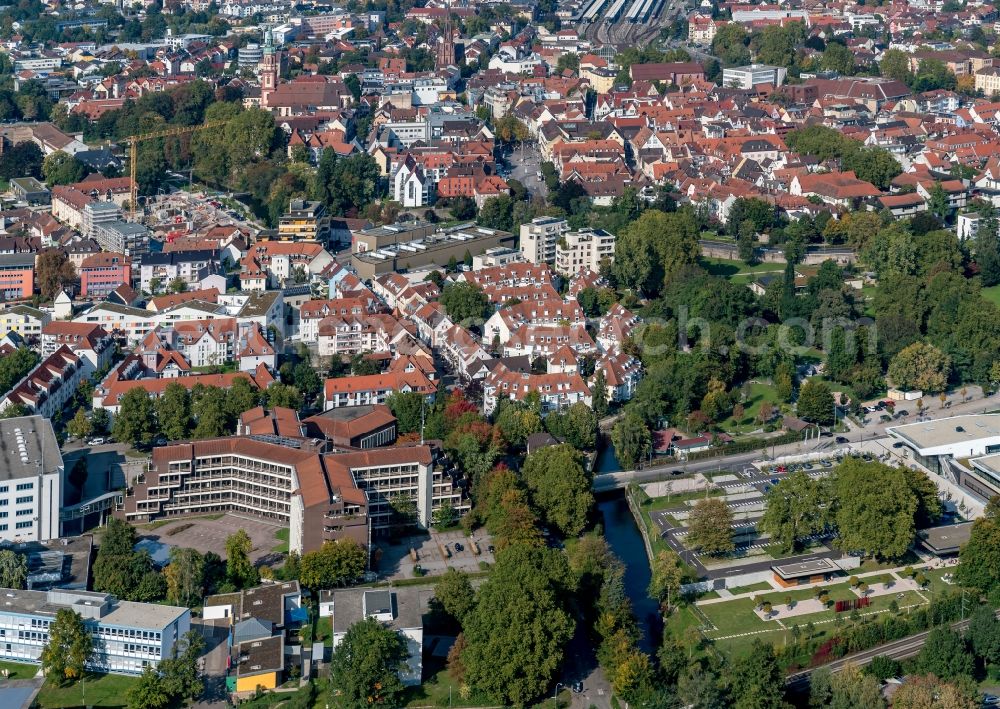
737, 616
761, 586
18, 670
870, 564
226, 368
440, 690
324, 630
282, 536
95, 690
734, 617
759, 393
733, 269
992, 294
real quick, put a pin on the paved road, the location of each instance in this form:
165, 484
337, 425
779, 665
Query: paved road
581, 666
525, 162
214, 672
977, 404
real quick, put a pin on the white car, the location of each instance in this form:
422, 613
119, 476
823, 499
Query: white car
95, 442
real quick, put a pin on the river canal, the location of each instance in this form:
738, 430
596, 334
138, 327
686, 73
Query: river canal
623, 536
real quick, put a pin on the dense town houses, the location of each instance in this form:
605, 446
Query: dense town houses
338, 270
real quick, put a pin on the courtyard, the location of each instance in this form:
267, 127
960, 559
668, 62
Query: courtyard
209, 533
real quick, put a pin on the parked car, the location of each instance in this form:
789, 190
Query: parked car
96, 442
841, 440
898, 444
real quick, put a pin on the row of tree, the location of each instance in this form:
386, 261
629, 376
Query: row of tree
200, 412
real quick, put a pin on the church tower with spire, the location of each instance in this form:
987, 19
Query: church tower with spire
269, 68
446, 46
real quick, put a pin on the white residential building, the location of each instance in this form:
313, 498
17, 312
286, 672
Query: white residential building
539, 237
584, 250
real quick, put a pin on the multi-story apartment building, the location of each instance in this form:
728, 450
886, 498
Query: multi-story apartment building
539, 237
374, 388
313, 312
305, 221
123, 237
127, 636
91, 343
584, 250
31, 473
17, 276
190, 266
24, 320
355, 334
320, 496
556, 391
104, 272
46, 388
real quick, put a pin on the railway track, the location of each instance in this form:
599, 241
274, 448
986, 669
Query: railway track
897, 650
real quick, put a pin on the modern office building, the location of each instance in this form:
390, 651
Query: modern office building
747, 77
127, 636
319, 496
539, 237
17, 276
31, 473
963, 449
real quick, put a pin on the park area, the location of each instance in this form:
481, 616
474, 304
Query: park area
731, 625
738, 271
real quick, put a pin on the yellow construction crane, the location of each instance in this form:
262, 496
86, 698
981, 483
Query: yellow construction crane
133, 147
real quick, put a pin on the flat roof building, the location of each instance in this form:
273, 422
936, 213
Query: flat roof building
959, 436
434, 249
30, 190
803, 572
965, 449
400, 609
31, 475
127, 636
945, 540
304, 221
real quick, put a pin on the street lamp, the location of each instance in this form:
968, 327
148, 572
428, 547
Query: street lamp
555, 693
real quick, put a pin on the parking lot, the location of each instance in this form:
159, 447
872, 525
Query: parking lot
209, 534
435, 554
